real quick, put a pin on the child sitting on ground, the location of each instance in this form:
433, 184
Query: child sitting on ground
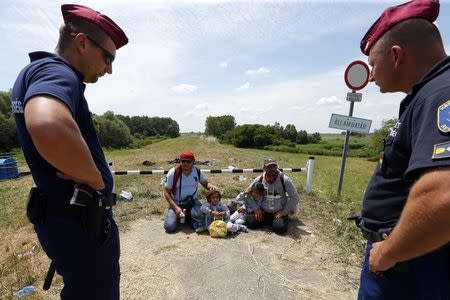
249, 203
213, 209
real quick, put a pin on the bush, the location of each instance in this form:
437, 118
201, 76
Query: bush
112, 132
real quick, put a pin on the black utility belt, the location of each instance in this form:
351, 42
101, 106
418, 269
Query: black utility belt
85, 196
371, 235
83, 199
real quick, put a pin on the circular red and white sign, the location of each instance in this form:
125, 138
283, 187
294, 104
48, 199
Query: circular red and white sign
356, 75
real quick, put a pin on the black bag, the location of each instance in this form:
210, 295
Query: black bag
187, 204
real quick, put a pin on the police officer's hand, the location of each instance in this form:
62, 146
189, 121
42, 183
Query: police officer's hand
378, 260
259, 215
97, 186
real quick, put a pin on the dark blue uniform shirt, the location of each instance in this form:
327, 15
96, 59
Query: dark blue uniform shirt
419, 141
49, 74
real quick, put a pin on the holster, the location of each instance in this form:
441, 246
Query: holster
36, 206
93, 210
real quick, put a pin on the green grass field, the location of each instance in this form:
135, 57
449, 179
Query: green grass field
322, 211
330, 145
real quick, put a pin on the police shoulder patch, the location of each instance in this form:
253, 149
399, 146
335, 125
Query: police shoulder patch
443, 117
441, 150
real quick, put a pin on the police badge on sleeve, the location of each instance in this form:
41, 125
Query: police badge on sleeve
443, 117
441, 150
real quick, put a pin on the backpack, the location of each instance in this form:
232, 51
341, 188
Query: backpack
281, 178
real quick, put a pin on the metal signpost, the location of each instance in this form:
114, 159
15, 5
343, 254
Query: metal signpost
356, 78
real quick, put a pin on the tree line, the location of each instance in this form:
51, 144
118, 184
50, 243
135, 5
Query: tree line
279, 138
114, 131
256, 135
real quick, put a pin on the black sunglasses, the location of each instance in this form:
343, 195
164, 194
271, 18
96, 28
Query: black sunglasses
186, 161
107, 56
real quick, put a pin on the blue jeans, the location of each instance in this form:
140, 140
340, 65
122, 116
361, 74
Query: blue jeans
425, 277
171, 220
89, 266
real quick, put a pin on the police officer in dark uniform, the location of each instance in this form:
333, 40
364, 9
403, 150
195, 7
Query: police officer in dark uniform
71, 203
406, 207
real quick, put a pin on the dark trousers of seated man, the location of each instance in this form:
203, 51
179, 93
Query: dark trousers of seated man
279, 225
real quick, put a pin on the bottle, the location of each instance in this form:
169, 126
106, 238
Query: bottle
183, 216
24, 291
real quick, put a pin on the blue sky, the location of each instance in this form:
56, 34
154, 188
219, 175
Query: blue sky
260, 61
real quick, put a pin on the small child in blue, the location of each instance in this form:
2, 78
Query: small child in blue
248, 202
214, 208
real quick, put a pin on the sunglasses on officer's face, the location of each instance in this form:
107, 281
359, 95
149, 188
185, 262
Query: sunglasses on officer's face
107, 56
186, 161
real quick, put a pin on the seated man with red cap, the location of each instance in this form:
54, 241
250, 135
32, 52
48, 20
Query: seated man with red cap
71, 203
181, 192
406, 207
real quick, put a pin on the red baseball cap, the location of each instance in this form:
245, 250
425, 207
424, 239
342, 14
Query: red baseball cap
422, 9
77, 12
187, 155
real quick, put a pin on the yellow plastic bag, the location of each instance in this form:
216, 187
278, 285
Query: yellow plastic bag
218, 229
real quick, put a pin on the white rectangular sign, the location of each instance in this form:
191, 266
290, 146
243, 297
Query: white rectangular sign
355, 97
350, 123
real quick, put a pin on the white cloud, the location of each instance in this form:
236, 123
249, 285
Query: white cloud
243, 87
333, 100
184, 88
201, 106
260, 71
223, 64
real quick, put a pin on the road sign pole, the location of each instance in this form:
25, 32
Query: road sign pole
344, 151
356, 77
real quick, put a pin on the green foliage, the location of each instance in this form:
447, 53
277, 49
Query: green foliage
8, 139
315, 138
329, 145
218, 126
302, 137
250, 136
377, 141
5, 103
151, 126
7, 133
290, 133
112, 132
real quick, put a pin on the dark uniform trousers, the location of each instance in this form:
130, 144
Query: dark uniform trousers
89, 266
425, 277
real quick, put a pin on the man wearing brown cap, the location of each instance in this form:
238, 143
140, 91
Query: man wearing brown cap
280, 198
406, 207
71, 203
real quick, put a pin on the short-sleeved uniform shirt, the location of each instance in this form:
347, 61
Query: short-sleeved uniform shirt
51, 75
419, 141
189, 184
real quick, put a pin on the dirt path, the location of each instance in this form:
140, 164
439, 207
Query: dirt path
257, 264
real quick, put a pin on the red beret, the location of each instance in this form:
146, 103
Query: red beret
187, 155
74, 12
423, 9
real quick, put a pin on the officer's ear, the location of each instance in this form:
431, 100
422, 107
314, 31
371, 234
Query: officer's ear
398, 56
80, 41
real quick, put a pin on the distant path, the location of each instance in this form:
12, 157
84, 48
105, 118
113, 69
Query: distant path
254, 265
